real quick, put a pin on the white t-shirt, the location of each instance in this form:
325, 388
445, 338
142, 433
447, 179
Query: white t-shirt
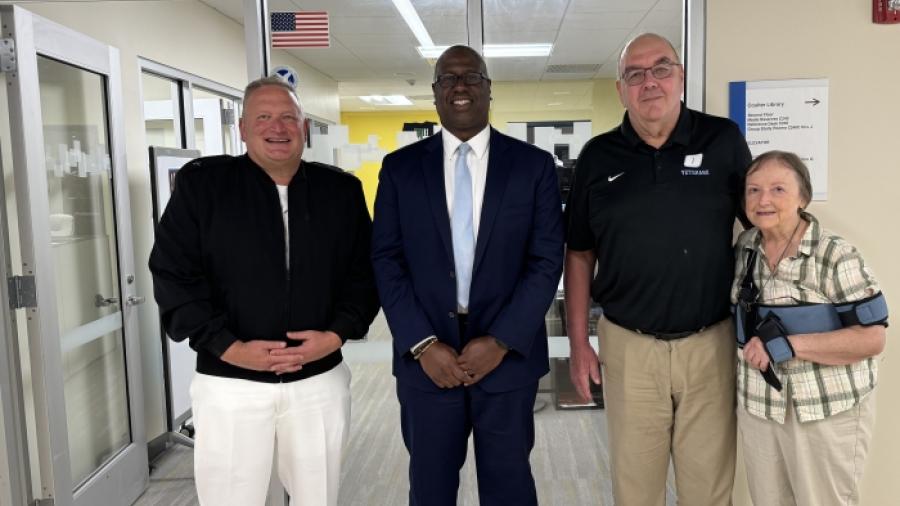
283, 197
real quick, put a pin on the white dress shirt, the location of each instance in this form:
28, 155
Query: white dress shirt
477, 160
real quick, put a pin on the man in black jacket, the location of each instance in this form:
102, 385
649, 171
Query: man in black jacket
261, 261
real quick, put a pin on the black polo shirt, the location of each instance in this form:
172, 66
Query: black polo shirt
660, 221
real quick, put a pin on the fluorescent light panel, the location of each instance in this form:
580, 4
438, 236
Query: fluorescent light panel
495, 50
413, 21
428, 50
388, 100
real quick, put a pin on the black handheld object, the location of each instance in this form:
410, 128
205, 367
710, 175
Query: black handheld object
774, 337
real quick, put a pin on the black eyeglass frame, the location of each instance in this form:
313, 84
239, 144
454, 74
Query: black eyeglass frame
452, 80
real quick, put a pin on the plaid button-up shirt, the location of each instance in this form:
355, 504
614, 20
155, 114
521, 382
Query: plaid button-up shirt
827, 269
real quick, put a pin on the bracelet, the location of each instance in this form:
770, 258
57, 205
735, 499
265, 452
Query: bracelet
423, 347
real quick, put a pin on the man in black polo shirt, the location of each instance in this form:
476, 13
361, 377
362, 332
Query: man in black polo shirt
653, 207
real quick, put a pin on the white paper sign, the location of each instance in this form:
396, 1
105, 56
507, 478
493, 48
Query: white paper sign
789, 115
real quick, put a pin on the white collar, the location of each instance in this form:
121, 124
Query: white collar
479, 142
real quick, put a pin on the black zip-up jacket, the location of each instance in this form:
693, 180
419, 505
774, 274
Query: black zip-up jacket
219, 270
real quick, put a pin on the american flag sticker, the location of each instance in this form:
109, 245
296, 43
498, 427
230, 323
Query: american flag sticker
300, 29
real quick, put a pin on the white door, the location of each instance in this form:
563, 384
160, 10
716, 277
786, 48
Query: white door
74, 239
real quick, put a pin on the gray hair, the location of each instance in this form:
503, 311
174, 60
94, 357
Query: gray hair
273, 81
791, 161
645, 35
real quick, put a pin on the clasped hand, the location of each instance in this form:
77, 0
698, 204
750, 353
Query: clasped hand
277, 356
447, 369
755, 354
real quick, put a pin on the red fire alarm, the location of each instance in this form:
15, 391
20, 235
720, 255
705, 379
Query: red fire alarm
886, 12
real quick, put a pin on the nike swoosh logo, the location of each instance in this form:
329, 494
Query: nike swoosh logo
613, 178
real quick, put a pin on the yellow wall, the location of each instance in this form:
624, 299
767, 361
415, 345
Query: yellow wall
607, 107
385, 125
834, 39
601, 104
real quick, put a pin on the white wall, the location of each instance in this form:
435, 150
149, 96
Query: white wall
834, 39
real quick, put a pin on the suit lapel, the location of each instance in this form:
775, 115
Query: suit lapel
433, 173
497, 177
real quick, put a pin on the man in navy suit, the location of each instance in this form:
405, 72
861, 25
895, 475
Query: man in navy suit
467, 250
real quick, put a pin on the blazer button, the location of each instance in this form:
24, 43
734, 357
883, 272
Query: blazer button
451, 314
452, 275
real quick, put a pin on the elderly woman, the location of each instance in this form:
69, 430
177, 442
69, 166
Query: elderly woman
810, 309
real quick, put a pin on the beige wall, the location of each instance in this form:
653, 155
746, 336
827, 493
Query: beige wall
595, 100
318, 92
834, 39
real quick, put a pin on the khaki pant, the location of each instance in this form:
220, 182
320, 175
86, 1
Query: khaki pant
815, 463
670, 398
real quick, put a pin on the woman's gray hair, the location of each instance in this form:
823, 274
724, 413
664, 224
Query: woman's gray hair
791, 161
273, 81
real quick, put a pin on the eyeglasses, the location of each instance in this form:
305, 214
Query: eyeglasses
636, 76
469, 79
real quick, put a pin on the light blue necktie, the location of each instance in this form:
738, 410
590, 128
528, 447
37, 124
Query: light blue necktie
461, 225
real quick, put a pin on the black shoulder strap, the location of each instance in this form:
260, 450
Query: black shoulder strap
749, 292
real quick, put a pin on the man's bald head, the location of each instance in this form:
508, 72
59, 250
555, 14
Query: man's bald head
644, 37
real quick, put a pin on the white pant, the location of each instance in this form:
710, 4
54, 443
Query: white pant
240, 422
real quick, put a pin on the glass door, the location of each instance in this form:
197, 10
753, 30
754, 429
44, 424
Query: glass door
74, 228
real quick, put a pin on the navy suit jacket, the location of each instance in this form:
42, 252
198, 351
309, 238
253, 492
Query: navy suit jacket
518, 257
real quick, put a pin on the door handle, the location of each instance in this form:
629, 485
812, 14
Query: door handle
101, 301
134, 300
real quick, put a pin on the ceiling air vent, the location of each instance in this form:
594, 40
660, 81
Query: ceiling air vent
573, 68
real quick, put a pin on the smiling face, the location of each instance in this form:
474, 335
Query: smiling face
653, 100
463, 108
272, 128
772, 198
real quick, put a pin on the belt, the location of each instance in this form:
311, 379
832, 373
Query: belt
668, 336
662, 336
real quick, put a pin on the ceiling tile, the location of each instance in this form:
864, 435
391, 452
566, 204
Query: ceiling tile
372, 46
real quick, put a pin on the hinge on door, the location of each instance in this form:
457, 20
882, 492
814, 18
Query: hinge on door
7, 55
42, 502
22, 293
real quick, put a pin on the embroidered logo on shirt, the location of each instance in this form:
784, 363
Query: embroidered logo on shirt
693, 161
613, 178
694, 172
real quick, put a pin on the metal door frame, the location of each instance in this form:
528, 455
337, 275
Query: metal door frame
124, 477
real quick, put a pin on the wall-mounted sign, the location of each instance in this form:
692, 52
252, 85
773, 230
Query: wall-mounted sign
788, 115
287, 74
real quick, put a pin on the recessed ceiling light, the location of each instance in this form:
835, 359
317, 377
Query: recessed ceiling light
387, 100
495, 50
562, 92
554, 103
